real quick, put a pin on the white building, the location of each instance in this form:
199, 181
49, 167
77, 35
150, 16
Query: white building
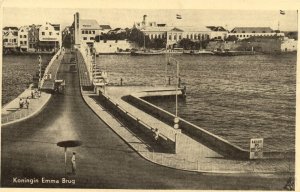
85, 30
289, 45
173, 34
23, 41
247, 32
10, 37
50, 36
113, 46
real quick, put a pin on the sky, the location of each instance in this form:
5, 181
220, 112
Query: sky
125, 17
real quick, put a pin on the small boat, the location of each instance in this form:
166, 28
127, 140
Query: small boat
147, 52
233, 53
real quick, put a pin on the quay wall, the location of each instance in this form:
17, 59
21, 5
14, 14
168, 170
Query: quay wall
127, 118
113, 46
263, 46
203, 136
212, 141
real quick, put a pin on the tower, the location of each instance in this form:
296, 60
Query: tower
77, 28
144, 22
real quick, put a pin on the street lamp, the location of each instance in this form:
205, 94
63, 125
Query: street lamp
40, 71
176, 119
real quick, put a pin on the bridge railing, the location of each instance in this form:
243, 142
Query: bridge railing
15, 115
49, 66
213, 165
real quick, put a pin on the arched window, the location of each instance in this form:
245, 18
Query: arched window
175, 37
155, 36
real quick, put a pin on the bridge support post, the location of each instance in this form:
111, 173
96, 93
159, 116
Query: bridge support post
178, 139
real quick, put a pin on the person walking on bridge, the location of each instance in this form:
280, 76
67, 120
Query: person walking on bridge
27, 102
21, 103
73, 161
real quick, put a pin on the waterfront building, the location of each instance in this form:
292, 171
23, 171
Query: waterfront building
23, 38
49, 37
84, 30
8, 29
247, 32
104, 29
289, 45
33, 37
113, 46
173, 34
218, 32
145, 24
10, 37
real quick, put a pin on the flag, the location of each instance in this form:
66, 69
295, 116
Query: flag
178, 16
282, 12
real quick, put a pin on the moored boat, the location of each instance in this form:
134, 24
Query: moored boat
147, 53
199, 52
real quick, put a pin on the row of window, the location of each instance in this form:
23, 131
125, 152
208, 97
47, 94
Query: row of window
254, 35
50, 33
23, 36
23, 42
179, 37
87, 32
159, 36
190, 36
33, 39
10, 40
251, 32
91, 38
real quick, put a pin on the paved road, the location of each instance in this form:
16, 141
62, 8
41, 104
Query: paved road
104, 160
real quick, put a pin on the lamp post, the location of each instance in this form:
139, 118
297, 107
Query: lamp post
40, 71
176, 119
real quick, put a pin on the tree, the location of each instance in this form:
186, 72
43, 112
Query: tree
137, 36
156, 43
231, 38
186, 43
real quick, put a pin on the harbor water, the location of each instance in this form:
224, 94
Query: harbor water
236, 98
17, 74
